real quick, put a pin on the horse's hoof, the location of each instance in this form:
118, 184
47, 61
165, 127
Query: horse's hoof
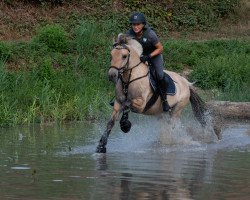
125, 126
100, 149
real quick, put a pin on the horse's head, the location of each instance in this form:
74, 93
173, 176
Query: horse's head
120, 56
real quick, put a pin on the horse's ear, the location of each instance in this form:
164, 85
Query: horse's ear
122, 38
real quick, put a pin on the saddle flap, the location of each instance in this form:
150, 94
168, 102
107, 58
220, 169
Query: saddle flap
170, 87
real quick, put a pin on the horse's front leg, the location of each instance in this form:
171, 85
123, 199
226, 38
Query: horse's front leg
101, 148
125, 124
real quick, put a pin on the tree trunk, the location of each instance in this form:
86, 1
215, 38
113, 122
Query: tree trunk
226, 109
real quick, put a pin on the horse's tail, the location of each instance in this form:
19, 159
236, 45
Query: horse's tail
198, 107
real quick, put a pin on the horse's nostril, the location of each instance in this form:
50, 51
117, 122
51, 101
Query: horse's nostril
112, 77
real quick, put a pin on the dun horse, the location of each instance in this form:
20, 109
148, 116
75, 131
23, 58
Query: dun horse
134, 91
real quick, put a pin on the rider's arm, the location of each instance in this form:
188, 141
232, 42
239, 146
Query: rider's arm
158, 50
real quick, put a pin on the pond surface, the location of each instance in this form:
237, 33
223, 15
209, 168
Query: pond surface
58, 162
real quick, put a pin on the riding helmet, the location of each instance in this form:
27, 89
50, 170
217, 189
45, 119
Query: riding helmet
137, 18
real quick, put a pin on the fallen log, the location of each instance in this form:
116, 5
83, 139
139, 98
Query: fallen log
227, 109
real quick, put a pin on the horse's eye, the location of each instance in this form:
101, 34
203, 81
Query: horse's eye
124, 56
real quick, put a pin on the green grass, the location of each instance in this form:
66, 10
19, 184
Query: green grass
63, 76
217, 64
56, 82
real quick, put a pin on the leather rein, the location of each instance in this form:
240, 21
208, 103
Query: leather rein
126, 68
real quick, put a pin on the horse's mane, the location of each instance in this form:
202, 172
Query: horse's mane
124, 39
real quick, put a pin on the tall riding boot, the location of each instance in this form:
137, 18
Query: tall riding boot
163, 94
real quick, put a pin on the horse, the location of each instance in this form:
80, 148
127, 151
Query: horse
133, 91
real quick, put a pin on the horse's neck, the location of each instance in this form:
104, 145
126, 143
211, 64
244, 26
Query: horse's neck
139, 78
137, 70
140, 70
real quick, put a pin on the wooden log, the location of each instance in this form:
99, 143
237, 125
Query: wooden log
227, 109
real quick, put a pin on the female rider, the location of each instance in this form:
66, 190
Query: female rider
152, 50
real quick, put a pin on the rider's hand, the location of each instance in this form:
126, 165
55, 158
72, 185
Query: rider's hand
144, 58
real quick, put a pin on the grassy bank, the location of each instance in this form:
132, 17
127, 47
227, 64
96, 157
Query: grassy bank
54, 78
57, 76
222, 67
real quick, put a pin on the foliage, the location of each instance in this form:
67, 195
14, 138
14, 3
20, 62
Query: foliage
46, 2
179, 54
63, 78
184, 15
203, 14
54, 36
225, 66
215, 64
60, 85
5, 51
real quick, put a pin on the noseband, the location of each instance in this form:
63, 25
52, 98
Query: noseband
125, 67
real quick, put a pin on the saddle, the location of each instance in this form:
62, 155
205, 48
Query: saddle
170, 87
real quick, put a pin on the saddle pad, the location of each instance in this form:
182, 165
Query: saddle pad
170, 89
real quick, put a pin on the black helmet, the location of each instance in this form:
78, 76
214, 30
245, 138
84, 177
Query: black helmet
137, 18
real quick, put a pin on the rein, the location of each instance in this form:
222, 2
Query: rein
126, 68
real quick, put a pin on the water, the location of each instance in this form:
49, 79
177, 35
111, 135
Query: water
58, 162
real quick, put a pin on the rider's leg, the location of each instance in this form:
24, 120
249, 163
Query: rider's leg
163, 94
157, 62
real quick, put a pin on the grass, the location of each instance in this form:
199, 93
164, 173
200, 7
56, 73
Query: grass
57, 76
55, 82
221, 65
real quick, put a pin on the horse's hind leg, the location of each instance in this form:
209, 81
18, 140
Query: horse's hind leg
101, 148
177, 110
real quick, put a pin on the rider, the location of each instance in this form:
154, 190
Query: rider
152, 50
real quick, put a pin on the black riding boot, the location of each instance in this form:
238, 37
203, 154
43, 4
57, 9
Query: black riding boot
163, 93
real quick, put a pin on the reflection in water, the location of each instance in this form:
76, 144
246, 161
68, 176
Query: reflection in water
38, 164
101, 162
168, 176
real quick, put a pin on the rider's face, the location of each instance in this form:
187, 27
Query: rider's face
137, 28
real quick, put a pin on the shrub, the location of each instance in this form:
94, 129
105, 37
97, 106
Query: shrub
5, 51
45, 70
182, 14
223, 72
46, 2
54, 36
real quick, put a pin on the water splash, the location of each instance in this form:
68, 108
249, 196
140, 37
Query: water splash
160, 134
153, 133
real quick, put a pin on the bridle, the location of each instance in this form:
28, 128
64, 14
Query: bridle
126, 68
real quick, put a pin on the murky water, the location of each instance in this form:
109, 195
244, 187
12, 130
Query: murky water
58, 162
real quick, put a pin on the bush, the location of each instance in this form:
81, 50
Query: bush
45, 2
54, 36
5, 51
45, 71
223, 72
183, 15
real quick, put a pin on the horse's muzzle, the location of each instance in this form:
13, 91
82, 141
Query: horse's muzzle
113, 75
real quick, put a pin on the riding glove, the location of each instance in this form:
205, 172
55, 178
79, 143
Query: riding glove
145, 58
